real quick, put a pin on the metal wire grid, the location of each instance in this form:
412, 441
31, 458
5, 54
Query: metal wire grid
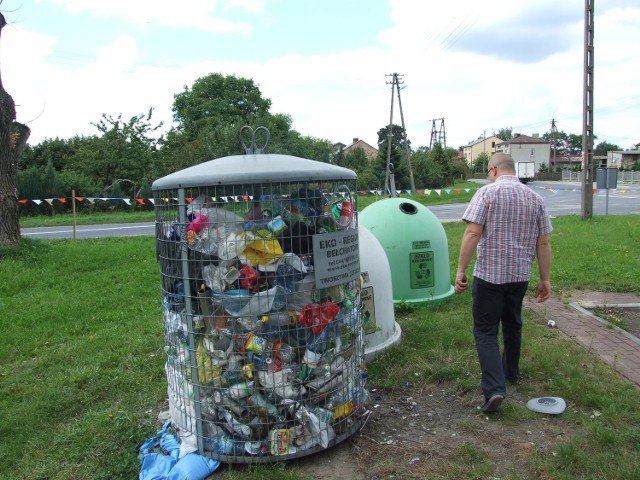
261, 364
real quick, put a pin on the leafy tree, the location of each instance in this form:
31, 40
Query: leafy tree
114, 190
558, 140
216, 133
428, 174
59, 152
400, 170
367, 180
563, 143
13, 139
29, 183
287, 141
50, 181
71, 181
574, 144
440, 158
124, 151
481, 163
504, 134
603, 147
356, 159
218, 100
459, 167
145, 189
177, 152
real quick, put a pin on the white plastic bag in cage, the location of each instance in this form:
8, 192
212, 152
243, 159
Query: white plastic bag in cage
240, 303
219, 277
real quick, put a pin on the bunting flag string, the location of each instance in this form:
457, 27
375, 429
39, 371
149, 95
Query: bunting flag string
225, 198
246, 198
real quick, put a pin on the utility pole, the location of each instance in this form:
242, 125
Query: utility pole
484, 145
395, 87
389, 137
554, 132
406, 140
587, 114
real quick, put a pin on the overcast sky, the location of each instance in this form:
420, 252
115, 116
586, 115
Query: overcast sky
481, 66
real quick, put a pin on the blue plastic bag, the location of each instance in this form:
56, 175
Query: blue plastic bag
160, 466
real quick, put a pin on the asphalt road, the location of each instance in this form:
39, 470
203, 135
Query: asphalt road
562, 198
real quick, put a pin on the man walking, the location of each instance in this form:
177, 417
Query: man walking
508, 224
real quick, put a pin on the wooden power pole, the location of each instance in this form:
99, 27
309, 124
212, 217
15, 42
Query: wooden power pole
587, 114
395, 88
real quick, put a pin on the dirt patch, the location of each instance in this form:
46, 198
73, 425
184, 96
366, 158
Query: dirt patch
435, 431
625, 318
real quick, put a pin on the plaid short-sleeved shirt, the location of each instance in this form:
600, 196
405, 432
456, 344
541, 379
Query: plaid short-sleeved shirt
513, 216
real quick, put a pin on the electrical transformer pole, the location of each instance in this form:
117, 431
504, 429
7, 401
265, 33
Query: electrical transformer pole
406, 141
587, 114
395, 86
389, 137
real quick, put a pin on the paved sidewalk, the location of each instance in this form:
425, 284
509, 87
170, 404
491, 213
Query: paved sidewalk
616, 347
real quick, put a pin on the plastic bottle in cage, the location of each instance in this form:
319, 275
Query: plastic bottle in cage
314, 430
345, 214
224, 444
235, 426
275, 320
262, 404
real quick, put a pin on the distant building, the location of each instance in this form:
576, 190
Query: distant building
573, 162
369, 151
481, 145
624, 159
524, 148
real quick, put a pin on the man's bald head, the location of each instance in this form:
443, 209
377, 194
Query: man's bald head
503, 162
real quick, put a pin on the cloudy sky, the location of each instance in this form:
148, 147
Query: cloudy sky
481, 66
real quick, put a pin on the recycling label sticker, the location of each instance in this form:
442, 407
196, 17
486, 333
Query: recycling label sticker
421, 270
368, 310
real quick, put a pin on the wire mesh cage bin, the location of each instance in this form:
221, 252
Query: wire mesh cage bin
261, 290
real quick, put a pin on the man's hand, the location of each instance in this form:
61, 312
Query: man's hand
461, 282
543, 291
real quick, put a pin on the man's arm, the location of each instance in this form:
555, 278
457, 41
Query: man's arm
543, 252
470, 241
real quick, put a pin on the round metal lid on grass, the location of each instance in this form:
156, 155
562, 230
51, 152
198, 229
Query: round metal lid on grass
550, 405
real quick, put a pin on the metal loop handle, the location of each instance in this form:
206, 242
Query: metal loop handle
251, 147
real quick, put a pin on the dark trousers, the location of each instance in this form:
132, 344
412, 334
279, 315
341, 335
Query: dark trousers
494, 304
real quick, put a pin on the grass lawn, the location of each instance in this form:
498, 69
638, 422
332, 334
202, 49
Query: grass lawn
81, 361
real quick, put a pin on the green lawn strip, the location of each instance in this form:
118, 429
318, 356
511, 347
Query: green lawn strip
85, 344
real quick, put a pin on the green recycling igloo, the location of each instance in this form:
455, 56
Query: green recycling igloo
416, 246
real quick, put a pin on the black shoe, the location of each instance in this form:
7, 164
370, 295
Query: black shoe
492, 404
517, 381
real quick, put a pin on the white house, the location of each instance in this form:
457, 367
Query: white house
527, 149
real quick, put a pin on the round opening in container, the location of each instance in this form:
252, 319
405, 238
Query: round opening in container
408, 208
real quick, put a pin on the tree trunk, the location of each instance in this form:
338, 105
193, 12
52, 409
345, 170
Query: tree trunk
13, 138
